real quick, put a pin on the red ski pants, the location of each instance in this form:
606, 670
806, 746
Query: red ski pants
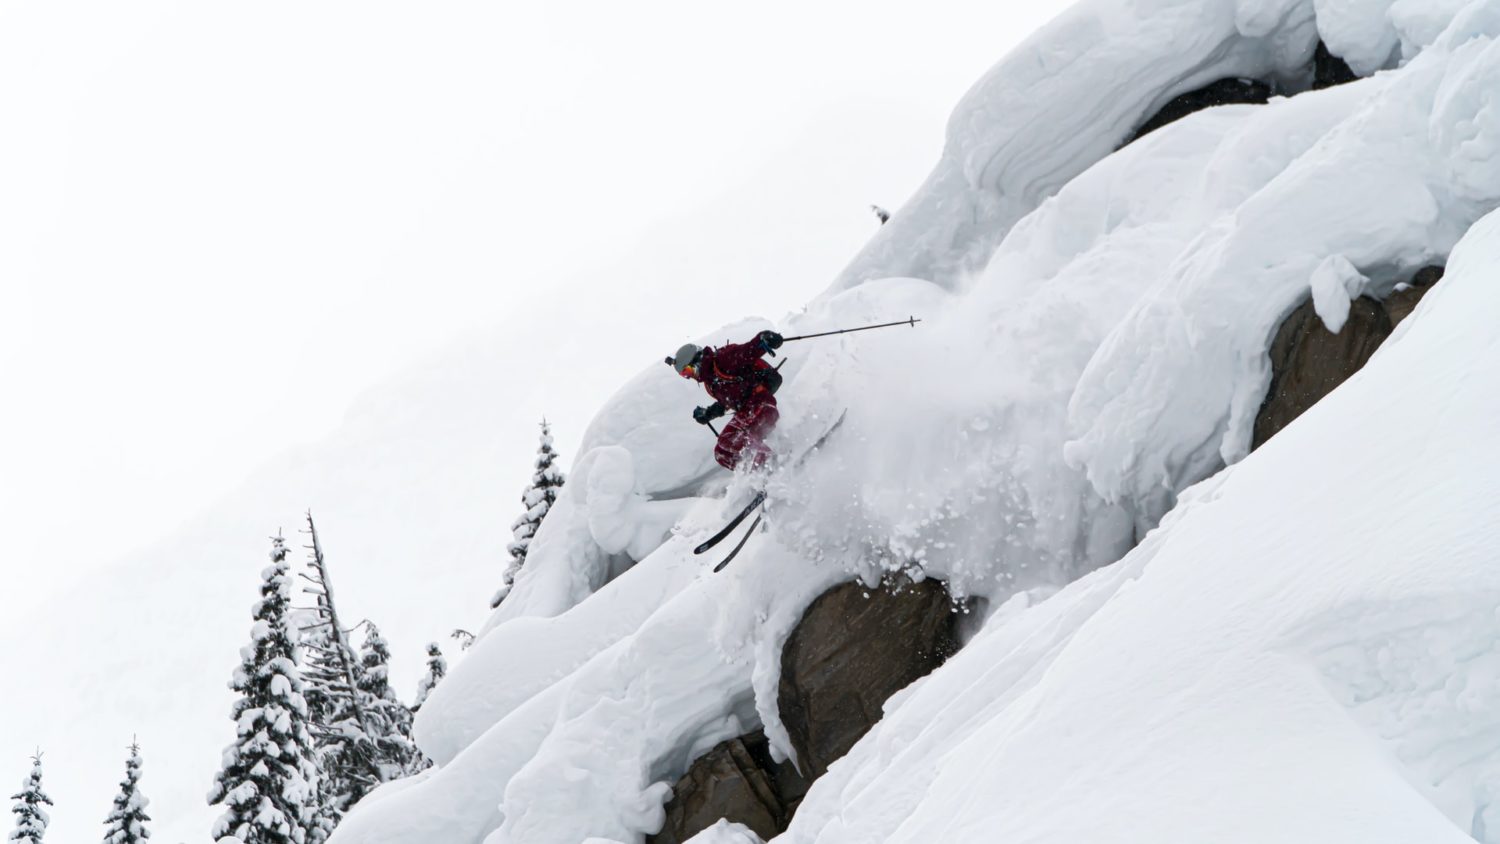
745, 435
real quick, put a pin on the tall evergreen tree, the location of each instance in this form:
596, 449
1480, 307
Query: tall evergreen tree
326, 814
362, 730
390, 718
31, 818
537, 499
269, 773
306, 623
437, 669
126, 824
344, 729
321, 706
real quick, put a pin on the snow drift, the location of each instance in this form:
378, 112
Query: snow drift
1299, 653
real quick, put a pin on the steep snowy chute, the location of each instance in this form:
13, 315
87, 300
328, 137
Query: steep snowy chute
1094, 343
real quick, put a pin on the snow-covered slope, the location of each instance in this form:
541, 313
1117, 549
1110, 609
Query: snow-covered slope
414, 495
1279, 662
1313, 660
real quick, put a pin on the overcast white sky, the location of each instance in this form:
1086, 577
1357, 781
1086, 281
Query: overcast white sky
220, 223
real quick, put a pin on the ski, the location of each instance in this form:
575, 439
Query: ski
759, 498
741, 544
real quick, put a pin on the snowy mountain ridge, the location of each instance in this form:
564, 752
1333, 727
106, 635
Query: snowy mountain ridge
1300, 646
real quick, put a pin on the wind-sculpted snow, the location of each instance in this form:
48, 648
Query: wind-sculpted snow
1070, 94
610, 733
1411, 162
1093, 342
525, 656
1062, 101
1281, 661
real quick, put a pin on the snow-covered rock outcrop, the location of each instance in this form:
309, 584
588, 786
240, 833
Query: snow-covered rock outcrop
1310, 358
1302, 652
854, 648
1315, 660
737, 779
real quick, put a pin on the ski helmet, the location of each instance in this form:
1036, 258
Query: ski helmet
685, 356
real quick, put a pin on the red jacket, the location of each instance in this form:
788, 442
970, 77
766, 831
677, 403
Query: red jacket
736, 375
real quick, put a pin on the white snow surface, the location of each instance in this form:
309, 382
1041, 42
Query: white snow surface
1305, 650
1334, 284
725, 832
1313, 660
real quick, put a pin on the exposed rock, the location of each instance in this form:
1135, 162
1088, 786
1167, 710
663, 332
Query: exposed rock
1222, 92
1400, 304
1330, 70
736, 780
853, 649
1308, 361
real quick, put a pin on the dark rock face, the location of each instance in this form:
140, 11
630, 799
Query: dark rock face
853, 649
1401, 303
736, 780
1222, 92
1308, 361
1330, 70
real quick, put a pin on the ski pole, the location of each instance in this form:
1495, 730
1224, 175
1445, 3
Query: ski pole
912, 321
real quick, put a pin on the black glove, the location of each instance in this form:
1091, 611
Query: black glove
705, 415
770, 340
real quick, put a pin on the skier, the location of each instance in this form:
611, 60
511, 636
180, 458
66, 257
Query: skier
739, 379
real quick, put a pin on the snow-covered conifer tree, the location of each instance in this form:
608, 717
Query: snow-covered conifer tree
437, 668
269, 773
326, 814
126, 823
343, 728
390, 719
31, 818
312, 636
322, 704
537, 499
